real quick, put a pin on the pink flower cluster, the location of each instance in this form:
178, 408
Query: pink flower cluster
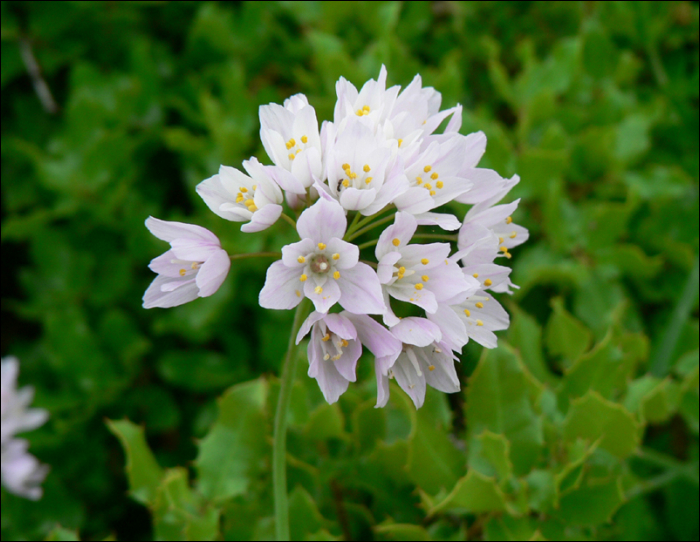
413, 305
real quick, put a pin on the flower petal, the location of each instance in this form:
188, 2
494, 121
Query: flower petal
308, 324
169, 231
291, 253
282, 290
322, 221
361, 290
403, 228
417, 331
156, 297
347, 363
263, 218
444, 221
348, 254
324, 298
212, 273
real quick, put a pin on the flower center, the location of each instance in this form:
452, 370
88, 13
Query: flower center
429, 179
352, 178
246, 198
332, 346
320, 264
295, 148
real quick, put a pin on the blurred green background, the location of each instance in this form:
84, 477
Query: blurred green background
594, 105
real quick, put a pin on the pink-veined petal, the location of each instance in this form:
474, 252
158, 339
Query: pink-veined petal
156, 297
322, 221
169, 231
361, 290
263, 218
323, 297
282, 290
212, 273
402, 229
417, 331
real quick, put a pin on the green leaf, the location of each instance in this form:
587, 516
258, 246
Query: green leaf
509, 528
498, 401
592, 504
326, 422
525, 334
181, 514
61, 534
143, 471
304, 517
661, 402
542, 490
490, 455
473, 494
369, 425
402, 531
564, 335
233, 452
592, 417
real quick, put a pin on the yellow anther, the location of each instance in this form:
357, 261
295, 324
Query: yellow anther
479, 323
298, 293
368, 180
509, 220
346, 183
303, 278
419, 286
344, 343
243, 189
322, 246
183, 272
365, 168
326, 338
428, 186
500, 240
360, 112
291, 156
402, 270
365, 108
439, 184
400, 141
475, 275
301, 259
239, 198
304, 139
298, 151
400, 276
352, 175
508, 255
336, 256
249, 202
396, 242
431, 367
292, 142
432, 192
467, 312
345, 166
419, 180
479, 305
252, 208
425, 261
255, 187
427, 168
503, 248
336, 275
434, 176
488, 282
318, 289
513, 235
425, 278
288, 145
194, 265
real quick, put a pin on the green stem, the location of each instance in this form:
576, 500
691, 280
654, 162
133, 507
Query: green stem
368, 244
354, 224
435, 236
661, 359
279, 445
255, 255
370, 227
289, 219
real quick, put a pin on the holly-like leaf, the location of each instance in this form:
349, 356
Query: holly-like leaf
474, 494
564, 335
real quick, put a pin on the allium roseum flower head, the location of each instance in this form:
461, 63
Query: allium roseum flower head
22, 474
363, 194
195, 266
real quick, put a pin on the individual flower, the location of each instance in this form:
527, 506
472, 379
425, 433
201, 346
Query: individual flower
195, 266
235, 196
22, 474
362, 175
418, 274
479, 314
424, 360
322, 267
336, 345
373, 103
291, 139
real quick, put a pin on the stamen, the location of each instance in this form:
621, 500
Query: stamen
431, 368
365, 108
336, 275
479, 305
239, 198
509, 220
479, 323
301, 259
425, 278
439, 184
368, 180
243, 189
291, 157
298, 293
432, 192
322, 246
336, 256
318, 289
344, 343
513, 235
365, 168
249, 202
400, 141
346, 183
412, 357
292, 142
345, 166
419, 286
425, 261
467, 312
488, 282
428, 186
326, 337
359, 112
194, 265
303, 278
434, 176
427, 168
500, 240
419, 180
352, 175
304, 139
503, 248
396, 242
252, 208
183, 272
326, 357
402, 270
475, 275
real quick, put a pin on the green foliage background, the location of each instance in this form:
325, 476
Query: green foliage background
582, 425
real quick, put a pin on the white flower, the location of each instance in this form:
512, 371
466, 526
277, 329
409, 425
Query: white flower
22, 474
235, 196
372, 104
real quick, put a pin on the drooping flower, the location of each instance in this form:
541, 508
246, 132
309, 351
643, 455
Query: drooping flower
22, 474
291, 139
195, 266
418, 274
322, 267
336, 345
235, 196
424, 360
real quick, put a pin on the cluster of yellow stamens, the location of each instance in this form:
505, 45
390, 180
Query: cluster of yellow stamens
433, 176
342, 343
246, 199
363, 111
478, 305
292, 143
351, 175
